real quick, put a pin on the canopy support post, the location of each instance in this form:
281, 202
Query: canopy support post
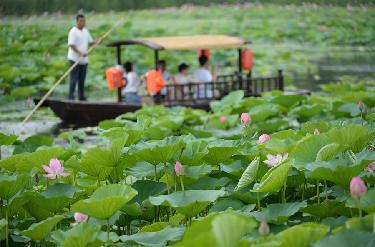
240, 68
118, 55
281, 79
156, 52
240, 61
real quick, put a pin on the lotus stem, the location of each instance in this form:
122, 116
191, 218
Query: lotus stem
284, 189
6, 227
317, 191
325, 189
258, 199
359, 207
182, 183
155, 172
107, 230
167, 177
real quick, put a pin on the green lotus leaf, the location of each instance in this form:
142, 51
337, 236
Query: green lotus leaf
328, 152
194, 152
159, 151
365, 223
25, 162
348, 238
278, 212
99, 162
81, 235
196, 172
229, 101
188, 202
352, 137
56, 197
338, 171
31, 144
10, 185
6, 139
366, 202
145, 169
303, 235
156, 239
263, 112
350, 108
223, 204
147, 188
328, 208
220, 153
209, 183
274, 179
40, 230
288, 101
249, 175
309, 127
105, 201
223, 229
306, 149
307, 111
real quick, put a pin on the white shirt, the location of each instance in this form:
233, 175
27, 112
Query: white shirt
81, 39
132, 83
202, 75
182, 79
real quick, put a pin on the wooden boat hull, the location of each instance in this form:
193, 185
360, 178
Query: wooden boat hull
85, 113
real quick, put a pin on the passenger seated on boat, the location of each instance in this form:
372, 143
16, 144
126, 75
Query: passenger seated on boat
203, 76
154, 83
133, 83
162, 66
180, 79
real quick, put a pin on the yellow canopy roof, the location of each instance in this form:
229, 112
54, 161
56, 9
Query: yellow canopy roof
186, 42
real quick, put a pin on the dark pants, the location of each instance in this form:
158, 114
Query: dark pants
77, 74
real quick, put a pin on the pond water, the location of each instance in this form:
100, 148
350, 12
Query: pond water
330, 67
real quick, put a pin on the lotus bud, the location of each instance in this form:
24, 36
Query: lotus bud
245, 119
79, 217
371, 167
178, 169
223, 119
357, 187
263, 138
361, 106
316, 132
264, 228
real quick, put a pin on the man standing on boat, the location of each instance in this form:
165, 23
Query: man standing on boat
79, 40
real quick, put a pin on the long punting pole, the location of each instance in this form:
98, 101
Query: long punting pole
27, 118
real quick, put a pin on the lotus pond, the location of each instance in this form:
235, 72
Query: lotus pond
276, 170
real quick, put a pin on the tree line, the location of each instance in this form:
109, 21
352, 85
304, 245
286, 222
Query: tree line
24, 7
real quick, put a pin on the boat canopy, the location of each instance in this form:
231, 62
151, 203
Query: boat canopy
185, 42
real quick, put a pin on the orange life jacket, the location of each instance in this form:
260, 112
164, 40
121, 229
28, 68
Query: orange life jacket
114, 76
154, 81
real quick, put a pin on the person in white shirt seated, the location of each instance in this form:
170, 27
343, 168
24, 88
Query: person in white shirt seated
133, 83
203, 76
180, 79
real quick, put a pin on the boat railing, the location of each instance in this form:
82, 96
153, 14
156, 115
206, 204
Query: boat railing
195, 93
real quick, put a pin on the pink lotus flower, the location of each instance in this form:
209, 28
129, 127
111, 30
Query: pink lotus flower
264, 228
178, 169
274, 160
79, 217
223, 119
357, 187
263, 138
54, 170
316, 132
371, 167
245, 119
